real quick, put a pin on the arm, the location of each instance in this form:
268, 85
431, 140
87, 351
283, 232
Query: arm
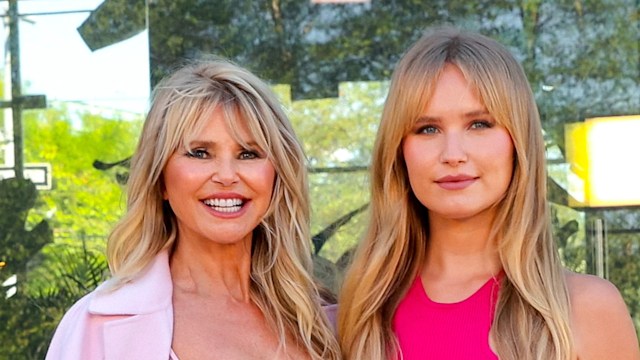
600, 321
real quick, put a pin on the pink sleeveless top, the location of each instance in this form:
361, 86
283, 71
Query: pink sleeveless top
429, 330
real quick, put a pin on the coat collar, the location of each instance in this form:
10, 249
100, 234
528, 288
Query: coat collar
149, 293
138, 317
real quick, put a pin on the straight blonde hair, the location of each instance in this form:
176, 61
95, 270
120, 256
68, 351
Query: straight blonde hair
532, 313
281, 284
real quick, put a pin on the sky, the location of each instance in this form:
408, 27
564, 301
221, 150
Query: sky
57, 63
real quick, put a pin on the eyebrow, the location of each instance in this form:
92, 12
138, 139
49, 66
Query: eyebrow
435, 119
208, 144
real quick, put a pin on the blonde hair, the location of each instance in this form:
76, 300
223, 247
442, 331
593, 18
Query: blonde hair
532, 313
281, 284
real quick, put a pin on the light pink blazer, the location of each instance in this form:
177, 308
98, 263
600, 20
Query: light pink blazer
133, 322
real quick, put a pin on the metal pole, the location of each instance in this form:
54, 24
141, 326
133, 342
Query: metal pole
16, 91
599, 247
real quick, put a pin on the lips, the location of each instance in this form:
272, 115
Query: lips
456, 182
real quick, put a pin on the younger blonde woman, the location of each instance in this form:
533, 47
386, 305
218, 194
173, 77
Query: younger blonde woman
458, 261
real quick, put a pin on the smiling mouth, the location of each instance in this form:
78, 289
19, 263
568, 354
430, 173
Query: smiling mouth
225, 205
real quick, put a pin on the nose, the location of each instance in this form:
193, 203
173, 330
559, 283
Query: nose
224, 172
453, 149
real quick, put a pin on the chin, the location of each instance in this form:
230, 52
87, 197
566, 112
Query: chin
460, 214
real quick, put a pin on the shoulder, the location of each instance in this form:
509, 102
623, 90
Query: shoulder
72, 332
76, 313
600, 291
600, 320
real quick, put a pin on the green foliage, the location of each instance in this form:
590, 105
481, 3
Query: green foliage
83, 199
353, 120
82, 207
30, 317
569, 232
47, 282
112, 22
17, 244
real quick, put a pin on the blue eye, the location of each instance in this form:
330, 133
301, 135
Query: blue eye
248, 155
427, 129
481, 124
198, 153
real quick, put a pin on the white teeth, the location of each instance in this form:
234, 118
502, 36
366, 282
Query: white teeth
223, 202
224, 205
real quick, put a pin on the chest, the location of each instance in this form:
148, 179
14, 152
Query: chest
426, 329
237, 331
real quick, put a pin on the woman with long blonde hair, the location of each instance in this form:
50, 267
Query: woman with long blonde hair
212, 259
458, 261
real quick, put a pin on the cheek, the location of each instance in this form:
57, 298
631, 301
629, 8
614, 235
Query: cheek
180, 177
170, 177
409, 153
502, 154
265, 177
416, 157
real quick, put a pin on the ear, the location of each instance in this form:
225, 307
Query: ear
163, 189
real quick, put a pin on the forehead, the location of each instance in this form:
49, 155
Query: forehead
227, 120
451, 91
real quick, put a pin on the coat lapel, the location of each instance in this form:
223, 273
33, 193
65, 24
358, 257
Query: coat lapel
139, 337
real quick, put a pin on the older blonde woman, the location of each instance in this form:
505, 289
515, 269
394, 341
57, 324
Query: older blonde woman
212, 258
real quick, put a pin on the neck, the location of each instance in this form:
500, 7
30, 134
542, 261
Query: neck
212, 270
461, 248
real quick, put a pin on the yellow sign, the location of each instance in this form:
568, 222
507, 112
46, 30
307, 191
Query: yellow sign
604, 161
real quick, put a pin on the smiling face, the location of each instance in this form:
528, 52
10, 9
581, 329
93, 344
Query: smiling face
218, 189
459, 159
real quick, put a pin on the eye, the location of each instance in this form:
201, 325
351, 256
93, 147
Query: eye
481, 124
198, 153
427, 129
248, 155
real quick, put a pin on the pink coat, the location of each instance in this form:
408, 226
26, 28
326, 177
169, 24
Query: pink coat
133, 322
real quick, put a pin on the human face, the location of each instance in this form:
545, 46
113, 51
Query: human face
218, 189
459, 160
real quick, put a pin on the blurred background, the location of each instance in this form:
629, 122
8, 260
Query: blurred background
76, 77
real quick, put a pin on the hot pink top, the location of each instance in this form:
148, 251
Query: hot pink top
429, 330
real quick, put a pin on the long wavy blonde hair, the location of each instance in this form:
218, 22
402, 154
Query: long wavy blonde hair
281, 284
532, 314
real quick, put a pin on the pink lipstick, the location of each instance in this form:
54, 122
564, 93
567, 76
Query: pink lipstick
455, 182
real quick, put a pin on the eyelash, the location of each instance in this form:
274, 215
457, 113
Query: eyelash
197, 153
252, 155
485, 124
431, 129
203, 154
427, 129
